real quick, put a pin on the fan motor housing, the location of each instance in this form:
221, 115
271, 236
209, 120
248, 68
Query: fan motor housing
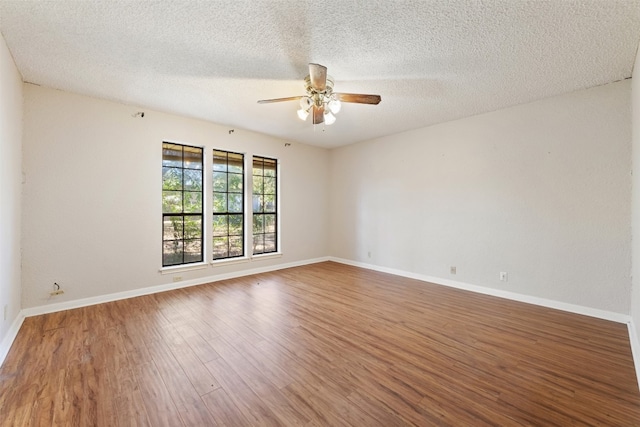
311, 91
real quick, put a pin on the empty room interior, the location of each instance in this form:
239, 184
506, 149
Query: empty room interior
341, 213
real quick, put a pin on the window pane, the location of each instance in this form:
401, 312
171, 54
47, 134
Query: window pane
270, 203
258, 169
269, 242
235, 183
257, 203
172, 253
192, 227
235, 246
171, 155
236, 162
220, 181
219, 202
192, 180
192, 157
220, 161
235, 225
270, 223
192, 202
171, 201
270, 167
258, 243
192, 251
269, 185
172, 226
258, 184
220, 247
258, 224
171, 178
235, 202
220, 227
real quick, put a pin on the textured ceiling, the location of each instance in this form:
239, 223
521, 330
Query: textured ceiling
431, 61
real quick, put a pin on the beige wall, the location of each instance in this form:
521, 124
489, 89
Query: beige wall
635, 125
541, 191
92, 197
10, 194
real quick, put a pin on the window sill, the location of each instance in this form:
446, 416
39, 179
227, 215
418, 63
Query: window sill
218, 263
266, 256
185, 267
230, 261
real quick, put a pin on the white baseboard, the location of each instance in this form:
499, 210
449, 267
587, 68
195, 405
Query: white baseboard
635, 348
572, 308
84, 302
8, 339
5, 346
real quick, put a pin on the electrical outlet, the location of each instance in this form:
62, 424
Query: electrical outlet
503, 276
453, 269
6, 310
177, 278
369, 254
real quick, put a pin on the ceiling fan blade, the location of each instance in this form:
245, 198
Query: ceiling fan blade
291, 98
359, 98
318, 115
318, 76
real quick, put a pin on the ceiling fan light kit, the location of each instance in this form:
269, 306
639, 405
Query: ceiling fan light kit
320, 101
325, 100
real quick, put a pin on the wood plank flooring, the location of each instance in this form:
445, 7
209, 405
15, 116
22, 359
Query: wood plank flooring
319, 345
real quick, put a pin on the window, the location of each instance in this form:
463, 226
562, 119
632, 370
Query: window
182, 169
265, 197
228, 205
243, 212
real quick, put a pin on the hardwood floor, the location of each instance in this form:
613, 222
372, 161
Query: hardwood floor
324, 344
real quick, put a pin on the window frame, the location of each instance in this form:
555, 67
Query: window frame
184, 214
276, 213
243, 204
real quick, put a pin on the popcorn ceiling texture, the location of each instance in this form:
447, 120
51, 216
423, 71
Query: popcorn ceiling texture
430, 61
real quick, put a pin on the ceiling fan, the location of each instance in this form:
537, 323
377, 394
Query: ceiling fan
321, 101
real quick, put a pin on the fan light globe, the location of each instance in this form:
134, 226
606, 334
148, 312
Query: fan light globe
303, 114
334, 106
329, 118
